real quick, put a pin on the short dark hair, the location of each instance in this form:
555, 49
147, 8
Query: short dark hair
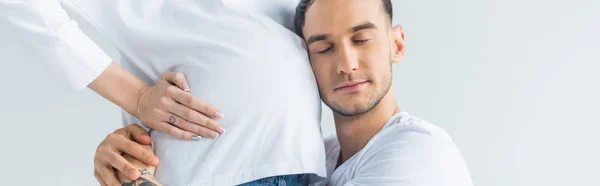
305, 4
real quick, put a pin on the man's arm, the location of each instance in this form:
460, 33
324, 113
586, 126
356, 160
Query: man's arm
146, 173
111, 150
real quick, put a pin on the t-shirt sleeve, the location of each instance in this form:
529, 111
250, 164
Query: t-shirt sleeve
418, 160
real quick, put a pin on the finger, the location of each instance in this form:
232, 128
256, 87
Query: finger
192, 120
99, 179
122, 144
116, 160
139, 134
121, 164
174, 131
108, 175
119, 132
176, 78
186, 125
195, 103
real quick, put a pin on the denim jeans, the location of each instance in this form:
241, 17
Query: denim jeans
285, 180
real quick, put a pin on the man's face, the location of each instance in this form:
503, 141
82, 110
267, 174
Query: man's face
352, 46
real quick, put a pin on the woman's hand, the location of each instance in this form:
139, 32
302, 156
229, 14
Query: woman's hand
169, 107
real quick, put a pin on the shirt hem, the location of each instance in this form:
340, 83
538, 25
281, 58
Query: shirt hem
252, 174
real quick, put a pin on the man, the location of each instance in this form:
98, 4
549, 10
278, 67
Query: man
352, 46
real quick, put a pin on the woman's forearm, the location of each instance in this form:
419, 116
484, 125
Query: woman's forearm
120, 87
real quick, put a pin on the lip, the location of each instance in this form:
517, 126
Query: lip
350, 87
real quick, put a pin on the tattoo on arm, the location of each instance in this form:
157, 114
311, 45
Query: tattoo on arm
145, 179
145, 172
139, 182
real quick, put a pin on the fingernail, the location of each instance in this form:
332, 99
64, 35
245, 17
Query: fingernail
221, 129
214, 134
196, 137
187, 90
219, 115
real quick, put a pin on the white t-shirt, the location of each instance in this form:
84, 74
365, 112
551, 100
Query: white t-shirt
406, 152
239, 55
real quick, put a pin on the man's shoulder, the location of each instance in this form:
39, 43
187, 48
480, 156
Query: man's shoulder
411, 127
410, 135
412, 150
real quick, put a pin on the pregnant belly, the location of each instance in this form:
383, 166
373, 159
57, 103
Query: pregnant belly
269, 101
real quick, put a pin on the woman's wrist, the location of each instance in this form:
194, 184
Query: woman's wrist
120, 87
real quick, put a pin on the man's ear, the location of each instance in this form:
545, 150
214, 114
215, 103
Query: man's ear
397, 44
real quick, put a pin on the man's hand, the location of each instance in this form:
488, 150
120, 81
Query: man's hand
169, 107
109, 155
146, 173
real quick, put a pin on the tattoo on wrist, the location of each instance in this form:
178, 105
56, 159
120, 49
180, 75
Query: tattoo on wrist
145, 179
141, 181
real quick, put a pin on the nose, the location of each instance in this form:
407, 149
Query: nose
348, 62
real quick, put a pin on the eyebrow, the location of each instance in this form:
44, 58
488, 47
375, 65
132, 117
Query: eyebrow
321, 37
366, 25
315, 38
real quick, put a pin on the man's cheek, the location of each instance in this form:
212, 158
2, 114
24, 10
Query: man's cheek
320, 81
323, 81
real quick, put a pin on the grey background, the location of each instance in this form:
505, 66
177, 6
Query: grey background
515, 82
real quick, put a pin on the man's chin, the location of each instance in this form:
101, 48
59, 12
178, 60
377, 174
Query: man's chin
350, 110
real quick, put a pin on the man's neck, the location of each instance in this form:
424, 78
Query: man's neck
354, 132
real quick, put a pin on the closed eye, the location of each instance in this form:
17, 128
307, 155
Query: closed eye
326, 50
361, 41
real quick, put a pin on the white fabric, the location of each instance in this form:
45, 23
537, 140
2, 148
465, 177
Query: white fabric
238, 55
406, 152
45, 30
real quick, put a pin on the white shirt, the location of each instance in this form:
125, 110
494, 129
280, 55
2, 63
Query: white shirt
239, 55
406, 152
